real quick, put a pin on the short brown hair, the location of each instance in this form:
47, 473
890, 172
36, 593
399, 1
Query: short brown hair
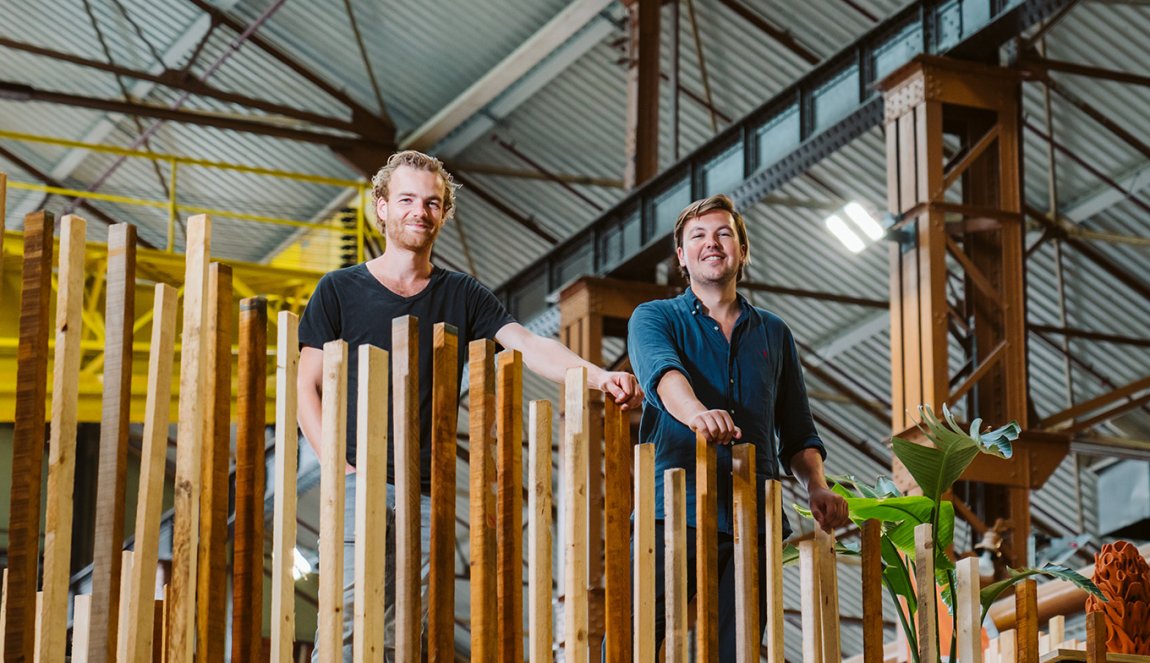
418, 161
719, 202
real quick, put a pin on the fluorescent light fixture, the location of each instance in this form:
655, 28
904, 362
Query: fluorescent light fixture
866, 223
300, 567
839, 229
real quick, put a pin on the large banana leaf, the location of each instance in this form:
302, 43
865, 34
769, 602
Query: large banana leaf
991, 592
936, 468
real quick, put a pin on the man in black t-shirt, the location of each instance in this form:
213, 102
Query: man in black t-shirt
414, 197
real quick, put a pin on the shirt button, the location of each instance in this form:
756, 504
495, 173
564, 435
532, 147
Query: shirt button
732, 380
716, 328
731, 411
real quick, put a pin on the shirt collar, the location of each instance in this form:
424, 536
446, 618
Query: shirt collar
696, 307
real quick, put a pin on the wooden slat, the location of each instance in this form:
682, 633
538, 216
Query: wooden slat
248, 545
706, 551
675, 565
28, 438
968, 610
1006, 646
189, 437
574, 470
62, 439
81, 627
773, 583
617, 533
829, 595
746, 535
811, 601
481, 424
924, 584
509, 503
370, 503
127, 560
1096, 636
159, 624
3, 595
136, 635
111, 484
405, 427
1057, 628
539, 575
1026, 607
333, 467
444, 411
283, 519
872, 591
992, 655
211, 574
907, 163
644, 562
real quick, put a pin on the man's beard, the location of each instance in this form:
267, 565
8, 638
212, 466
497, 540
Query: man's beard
410, 240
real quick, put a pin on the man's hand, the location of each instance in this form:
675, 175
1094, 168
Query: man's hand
716, 425
829, 508
623, 387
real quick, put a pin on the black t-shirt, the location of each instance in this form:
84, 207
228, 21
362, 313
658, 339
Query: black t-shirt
352, 305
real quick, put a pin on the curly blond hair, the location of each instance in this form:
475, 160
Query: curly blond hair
418, 161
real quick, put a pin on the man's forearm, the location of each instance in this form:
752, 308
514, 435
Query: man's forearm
552, 360
678, 397
807, 466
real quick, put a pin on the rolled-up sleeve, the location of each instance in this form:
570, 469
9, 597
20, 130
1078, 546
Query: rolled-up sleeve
653, 350
796, 426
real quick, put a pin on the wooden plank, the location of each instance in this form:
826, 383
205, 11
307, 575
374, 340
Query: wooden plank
575, 609
773, 583
135, 642
644, 562
539, 575
1026, 607
1006, 646
3, 596
872, 592
444, 411
992, 655
28, 438
248, 545
1096, 636
617, 533
481, 424
370, 503
333, 470
746, 534
1043, 644
509, 503
111, 483
675, 565
907, 163
924, 584
829, 595
405, 427
211, 574
38, 621
62, 439
1057, 628
181, 598
706, 551
811, 601
127, 560
968, 611
159, 623
81, 627
284, 515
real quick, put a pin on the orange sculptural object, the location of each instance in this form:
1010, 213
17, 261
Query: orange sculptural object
1123, 575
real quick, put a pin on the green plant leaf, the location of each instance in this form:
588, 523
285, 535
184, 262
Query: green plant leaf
896, 574
990, 593
935, 469
884, 487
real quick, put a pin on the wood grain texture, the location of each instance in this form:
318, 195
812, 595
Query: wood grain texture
180, 636
405, 426
675, 565
370, 503
746, 538
136, 638
211, 573
62, 439
574, 468
333, 466
773, 584
706, 552
924, 584
481, 425
28, 439
1007, 649
1057, 629
539, 573
644, 562
81, 627
872, 592
283, 520
811, 608
509, 502
829, 595
968, 610
617, 531
1026, 607
111, 484
248, 544
1096, 636
444, 413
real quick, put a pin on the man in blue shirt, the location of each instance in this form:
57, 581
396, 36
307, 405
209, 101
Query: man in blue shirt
708, 361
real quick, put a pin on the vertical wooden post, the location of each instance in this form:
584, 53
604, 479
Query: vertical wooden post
286, 468
444, 411
62, 440
1057, 628
333, 477
211, 575
829, 594
484, 615
119, 318
1095, 637
924, 584
251, 413
706, 552
28, 439
968, 609
617, 533
773, 523
872, 592
189, 438
405, 426
81, 627
809, 575
1026, 607
3, 599
135, 641
675, 565
370, 503
991, 653
575, 479
1006, 647
644, 562
538, 530
127, 558
509, 503
746, 535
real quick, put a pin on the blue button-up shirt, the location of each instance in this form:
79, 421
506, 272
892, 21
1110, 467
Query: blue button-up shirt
756, 377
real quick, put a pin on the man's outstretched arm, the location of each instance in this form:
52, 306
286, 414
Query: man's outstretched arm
828, 507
